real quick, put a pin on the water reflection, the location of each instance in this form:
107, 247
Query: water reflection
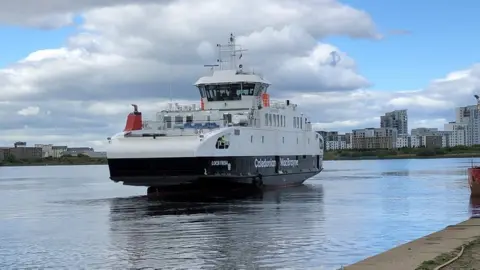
474, 207
270, 229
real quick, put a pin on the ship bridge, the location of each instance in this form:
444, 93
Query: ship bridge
231, 89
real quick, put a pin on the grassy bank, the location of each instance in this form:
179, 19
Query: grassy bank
405, 153
470, 258
55, 161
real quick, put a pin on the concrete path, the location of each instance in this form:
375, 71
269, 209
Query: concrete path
412, 254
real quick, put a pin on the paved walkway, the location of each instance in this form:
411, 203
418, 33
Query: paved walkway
412, 254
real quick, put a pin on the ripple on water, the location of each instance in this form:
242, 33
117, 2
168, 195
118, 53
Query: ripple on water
76, 218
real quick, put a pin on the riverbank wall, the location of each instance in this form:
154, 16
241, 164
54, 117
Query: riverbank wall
427, 252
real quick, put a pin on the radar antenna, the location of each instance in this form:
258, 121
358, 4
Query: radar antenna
231, 48
335, 58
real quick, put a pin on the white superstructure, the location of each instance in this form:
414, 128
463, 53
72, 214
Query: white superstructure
235, 118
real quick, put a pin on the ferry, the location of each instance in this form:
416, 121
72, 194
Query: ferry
236, 137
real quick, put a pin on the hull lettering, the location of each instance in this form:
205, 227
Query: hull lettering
288, 162
265, 163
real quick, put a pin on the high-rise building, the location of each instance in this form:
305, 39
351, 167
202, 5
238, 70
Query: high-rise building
397, 119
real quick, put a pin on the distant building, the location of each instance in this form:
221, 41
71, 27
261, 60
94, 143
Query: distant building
24, 152
432, 141
47, 149
459, 133
57, 151
20, 144
94, 154
424, 131
396, 119
75, 151
374, 138
334, 141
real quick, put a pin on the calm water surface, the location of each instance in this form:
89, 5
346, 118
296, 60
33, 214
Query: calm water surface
75, 217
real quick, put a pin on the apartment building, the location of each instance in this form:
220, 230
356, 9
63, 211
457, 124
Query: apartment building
397, 119
374, 138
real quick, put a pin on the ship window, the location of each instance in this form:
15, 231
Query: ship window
283, 139
308, 140
251, 138
247, 89
259, 88
294, 122
223, 92
284, 120
178, 119
274, 120
278, 119
301, 123
297, 140
189, 119
266, 119
263, 139
270, 119
201, 88
168, 120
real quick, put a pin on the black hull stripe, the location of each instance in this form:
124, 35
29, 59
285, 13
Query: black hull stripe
274, 170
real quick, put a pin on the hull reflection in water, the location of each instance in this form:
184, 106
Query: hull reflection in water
475, 206
247, 231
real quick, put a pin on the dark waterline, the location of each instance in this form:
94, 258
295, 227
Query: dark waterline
74, 217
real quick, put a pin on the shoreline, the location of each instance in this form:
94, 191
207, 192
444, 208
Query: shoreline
431, 251
66, 161
466, 155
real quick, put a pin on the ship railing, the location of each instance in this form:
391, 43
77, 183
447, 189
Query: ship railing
278, 104
196, 124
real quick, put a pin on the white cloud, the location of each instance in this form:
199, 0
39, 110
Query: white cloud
28, 111
132, 51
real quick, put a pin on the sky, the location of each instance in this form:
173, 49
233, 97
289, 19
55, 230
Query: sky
69, 70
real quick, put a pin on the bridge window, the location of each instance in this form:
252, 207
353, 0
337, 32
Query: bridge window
226, 92
189, 119
178, 119
168, 121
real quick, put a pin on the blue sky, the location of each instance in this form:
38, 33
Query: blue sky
18, 42
442, 40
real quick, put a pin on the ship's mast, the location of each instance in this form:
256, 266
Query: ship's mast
231, 48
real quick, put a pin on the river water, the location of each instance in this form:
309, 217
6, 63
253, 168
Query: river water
58, 217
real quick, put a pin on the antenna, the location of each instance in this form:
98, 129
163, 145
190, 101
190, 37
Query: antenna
212, 67
231, 48
335, 58
170, 83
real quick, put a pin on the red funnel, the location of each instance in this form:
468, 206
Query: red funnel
134, 120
